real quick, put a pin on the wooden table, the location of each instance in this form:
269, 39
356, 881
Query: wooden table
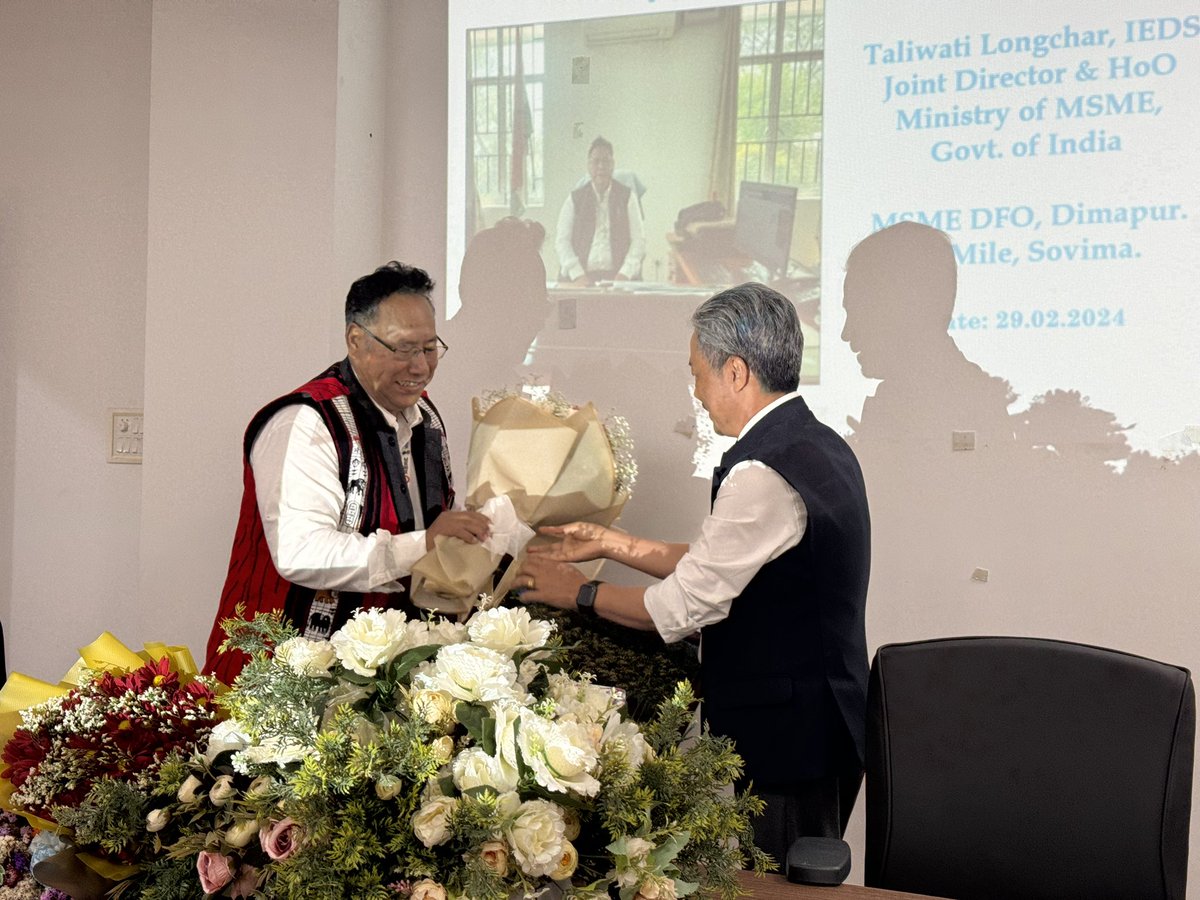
776, 887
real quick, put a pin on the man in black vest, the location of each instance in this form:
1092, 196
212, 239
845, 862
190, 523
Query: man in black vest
600, 235
776, 582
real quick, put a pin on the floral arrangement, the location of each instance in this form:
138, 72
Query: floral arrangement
400, 760
87, 759
430, 760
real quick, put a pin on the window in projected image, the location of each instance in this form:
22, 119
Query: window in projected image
687, 105
780, 74
504, 105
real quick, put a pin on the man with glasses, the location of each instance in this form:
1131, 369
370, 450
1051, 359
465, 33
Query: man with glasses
347, 478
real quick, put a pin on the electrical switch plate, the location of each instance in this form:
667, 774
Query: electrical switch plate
125, 436
979, 575
962, 440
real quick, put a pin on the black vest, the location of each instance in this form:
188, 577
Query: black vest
785, 674
584, 227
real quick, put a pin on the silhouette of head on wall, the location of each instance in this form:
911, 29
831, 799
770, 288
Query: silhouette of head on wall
898, 295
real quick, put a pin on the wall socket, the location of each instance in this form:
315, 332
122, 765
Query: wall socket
125, 436
962, 440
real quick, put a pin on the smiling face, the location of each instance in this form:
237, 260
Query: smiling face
404, 321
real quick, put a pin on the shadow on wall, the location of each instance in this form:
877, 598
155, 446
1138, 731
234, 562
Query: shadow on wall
1055, 491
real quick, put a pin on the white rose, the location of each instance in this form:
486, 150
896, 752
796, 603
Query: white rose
470, 672
431, 823
509, 630
637, 850
507, 716
629, 738
221, 791
435, 708
187, 790
157, 819
474, 768
561, 754
371, 639
567, 862
273, 750
434, 631
580, 701
443, 749
307, 657
495, 856
656, 888
427, 889
226, 735
536, 837
242, 833
388, 786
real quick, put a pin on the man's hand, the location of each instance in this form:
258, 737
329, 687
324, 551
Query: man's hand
544, 581
468, 527
578, 542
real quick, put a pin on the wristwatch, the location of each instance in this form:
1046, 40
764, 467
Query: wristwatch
585, 600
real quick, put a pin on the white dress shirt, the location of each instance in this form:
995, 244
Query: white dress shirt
600, 254
300, 497
756, 517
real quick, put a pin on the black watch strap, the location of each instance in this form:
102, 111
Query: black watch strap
585, 600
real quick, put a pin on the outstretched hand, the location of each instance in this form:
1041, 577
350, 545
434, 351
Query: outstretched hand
577, 542
546, 581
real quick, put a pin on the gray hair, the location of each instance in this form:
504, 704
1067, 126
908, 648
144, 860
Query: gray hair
758, 324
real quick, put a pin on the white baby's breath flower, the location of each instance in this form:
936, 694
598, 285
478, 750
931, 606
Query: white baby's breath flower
372, 638
476, 768
561, 755
470, 672
536, 837
431, 823
509, 630
307, 657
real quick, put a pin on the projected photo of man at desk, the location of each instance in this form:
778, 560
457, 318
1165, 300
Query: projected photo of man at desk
600, 236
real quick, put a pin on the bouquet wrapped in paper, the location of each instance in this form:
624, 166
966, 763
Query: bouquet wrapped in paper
533, 461
82, 758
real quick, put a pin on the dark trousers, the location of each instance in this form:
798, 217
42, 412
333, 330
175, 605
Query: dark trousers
819, 807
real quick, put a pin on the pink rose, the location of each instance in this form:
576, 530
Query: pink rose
282, 839
245, 883
215, 870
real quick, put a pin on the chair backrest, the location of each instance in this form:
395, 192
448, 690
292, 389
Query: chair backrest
1003, 767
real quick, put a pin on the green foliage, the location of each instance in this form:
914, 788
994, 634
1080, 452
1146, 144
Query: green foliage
113, 816
684, 789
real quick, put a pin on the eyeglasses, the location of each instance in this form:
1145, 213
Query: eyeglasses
408, 352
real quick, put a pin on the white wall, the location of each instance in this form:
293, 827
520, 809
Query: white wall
74, 103
188, 188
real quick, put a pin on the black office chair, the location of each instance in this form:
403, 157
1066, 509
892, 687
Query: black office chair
1024, 768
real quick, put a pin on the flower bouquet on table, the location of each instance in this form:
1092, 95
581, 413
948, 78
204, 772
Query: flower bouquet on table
533, 460
83, 758
431, 760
